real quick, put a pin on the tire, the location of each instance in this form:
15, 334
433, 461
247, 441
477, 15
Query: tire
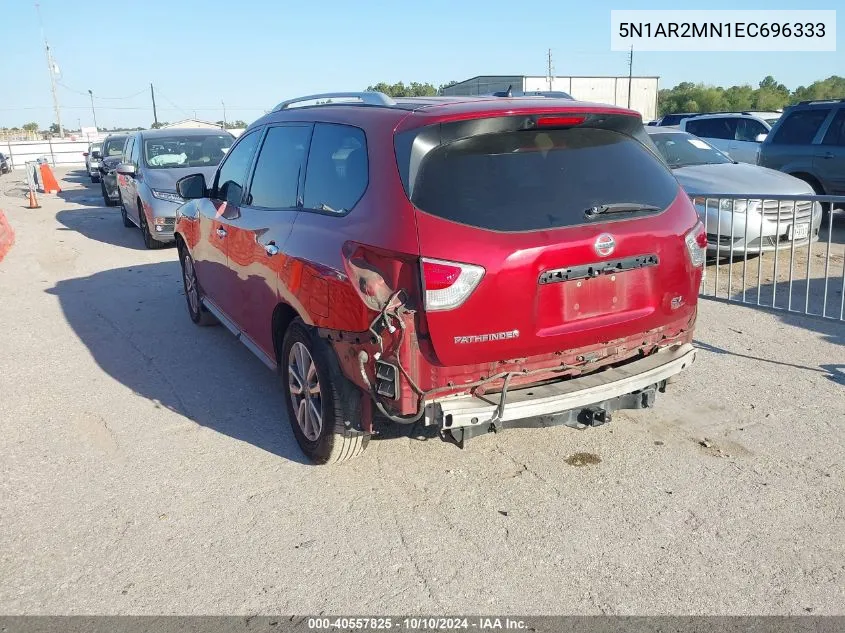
95, 179
106, 200
126, 221
193, 291
331, 438
150, 242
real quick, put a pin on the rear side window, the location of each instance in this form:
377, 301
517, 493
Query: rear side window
233, 171
529, 180
835, 134
338, 168
279, 167
749, 129
801, 127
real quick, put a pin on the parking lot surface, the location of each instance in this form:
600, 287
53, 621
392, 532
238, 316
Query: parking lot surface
148, 467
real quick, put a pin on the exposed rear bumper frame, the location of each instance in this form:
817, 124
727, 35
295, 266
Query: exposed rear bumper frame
457, 412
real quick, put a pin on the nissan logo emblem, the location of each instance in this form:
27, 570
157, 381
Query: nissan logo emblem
604, 244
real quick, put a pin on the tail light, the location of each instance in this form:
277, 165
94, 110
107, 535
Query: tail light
559, 121
448, 284
697, 244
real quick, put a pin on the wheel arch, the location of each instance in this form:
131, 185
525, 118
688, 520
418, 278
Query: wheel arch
283, 315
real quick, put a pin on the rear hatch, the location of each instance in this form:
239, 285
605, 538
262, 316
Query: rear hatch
545, 232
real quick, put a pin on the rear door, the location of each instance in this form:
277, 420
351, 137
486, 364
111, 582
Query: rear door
258, 234
513, 208
746, 145
210, 256
829, 161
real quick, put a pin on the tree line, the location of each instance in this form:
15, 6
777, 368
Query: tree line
687, 96
768, 95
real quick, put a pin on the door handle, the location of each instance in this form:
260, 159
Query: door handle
825, 155
271, 249
221, 232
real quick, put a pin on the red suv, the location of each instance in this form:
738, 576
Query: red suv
468, 263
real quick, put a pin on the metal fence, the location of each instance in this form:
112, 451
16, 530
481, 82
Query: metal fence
781, 252
58, 152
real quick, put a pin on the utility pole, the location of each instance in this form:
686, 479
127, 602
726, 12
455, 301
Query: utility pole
153, 95
224, 113
630, 73
93, 112
51, 65
551, 70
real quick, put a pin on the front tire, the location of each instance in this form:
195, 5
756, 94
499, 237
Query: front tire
193, 291
149, 241
322, 404
125, 216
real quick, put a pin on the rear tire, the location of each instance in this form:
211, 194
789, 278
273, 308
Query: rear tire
126, 221
193, 291
149, 241
322, 404
95, 179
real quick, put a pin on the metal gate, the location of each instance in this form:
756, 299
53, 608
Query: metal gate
775, 251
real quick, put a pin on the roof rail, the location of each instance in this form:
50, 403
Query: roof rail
821, 101
368, 98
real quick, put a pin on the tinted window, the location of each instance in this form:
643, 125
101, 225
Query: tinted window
337, 168
187, 150
135, 146
836, 132
527, 180
712, 128
127, 150
229, 185
683, 150
279, 165
799, 128
749, 129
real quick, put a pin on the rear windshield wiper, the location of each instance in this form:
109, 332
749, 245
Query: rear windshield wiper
621, 207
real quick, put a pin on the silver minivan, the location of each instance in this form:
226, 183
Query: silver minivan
153, 160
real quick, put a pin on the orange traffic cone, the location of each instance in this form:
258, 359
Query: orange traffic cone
48, 181
33, 201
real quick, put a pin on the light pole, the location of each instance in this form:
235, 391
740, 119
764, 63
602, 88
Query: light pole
93, 113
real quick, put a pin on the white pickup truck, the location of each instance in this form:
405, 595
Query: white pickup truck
737, 135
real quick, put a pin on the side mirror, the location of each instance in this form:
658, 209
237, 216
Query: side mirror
760, 138
126, 169
85, 154
96, 154
192, 187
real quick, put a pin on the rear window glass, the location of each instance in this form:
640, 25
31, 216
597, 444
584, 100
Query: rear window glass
800, 128
529, 180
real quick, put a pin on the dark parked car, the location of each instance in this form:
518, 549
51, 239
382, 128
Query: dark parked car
808, 141
470, 264
112, 154
5, 164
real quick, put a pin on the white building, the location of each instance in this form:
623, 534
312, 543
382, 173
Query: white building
613, 90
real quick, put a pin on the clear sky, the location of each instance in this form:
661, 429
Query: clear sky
252, 54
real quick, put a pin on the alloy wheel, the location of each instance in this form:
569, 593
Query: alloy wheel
191, 290
304, 386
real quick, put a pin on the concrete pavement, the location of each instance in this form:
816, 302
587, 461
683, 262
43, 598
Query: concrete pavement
148, 468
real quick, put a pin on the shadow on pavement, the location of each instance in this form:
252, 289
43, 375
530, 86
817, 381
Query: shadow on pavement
836, 373
811, 294
102, 224
134, 322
